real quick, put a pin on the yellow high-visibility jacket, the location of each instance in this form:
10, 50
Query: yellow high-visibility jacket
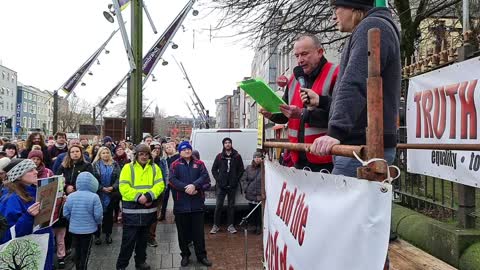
141, 180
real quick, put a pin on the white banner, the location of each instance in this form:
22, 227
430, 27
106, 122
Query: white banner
441, 108
322, 221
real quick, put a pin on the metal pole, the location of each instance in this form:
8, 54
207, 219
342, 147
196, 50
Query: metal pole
135, 87
466, 16
123, 31
149, 18
55, 111
337, 150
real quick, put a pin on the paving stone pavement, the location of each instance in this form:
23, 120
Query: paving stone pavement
225, 250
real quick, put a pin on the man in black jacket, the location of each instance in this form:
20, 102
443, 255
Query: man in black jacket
227, 170
348, 113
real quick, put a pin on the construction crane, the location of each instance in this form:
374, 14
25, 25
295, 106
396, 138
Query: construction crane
202, 112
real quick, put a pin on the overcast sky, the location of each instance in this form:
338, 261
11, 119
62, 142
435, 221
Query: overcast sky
45, 42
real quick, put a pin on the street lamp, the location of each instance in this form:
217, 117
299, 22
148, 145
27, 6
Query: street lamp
195, 12
164, 62
109, 14
174, 45
154, 79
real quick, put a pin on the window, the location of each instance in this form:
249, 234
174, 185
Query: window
8, 91
32, 108
33, 123
34, 98
11, 106
25, 107
39, 125
2, 91
29, 123
13, 78
24, 122
30, 96
25, 95
3, 75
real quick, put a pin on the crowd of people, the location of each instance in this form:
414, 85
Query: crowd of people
119, 182
105, 183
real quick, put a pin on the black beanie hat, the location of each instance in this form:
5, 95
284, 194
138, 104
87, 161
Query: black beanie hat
226, 139
358, 4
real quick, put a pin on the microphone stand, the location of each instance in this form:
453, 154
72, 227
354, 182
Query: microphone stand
245, 223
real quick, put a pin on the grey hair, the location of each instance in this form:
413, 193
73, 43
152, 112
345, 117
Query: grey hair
314, 38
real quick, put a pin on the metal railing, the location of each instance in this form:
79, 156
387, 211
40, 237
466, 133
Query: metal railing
432, 196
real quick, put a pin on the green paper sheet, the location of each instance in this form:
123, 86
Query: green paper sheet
262, 94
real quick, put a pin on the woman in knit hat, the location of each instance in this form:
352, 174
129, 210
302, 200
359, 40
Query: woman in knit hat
18, 205
37, 157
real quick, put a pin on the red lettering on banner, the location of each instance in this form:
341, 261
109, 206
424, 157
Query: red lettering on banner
293, 212
468, 109
451, 91
427, 105
434, 102
417, 98
276, 258
281, 198
440, 112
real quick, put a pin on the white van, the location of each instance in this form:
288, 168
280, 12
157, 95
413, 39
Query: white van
208, 142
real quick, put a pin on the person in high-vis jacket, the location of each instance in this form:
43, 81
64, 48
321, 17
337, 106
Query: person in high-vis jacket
140, 183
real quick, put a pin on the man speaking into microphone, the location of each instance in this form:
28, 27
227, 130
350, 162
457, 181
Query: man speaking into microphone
313, 73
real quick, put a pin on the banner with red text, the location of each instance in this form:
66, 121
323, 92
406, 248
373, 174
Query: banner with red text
442, 108
323, 221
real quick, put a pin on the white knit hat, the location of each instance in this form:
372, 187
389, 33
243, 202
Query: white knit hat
20, 169
4, 162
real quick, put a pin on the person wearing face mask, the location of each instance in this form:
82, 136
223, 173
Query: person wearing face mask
18, 206
141, 183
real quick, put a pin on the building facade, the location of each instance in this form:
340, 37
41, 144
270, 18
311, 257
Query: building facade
8, 97
34, 110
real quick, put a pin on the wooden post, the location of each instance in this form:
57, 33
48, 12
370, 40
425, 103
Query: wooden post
376, 171
466, 194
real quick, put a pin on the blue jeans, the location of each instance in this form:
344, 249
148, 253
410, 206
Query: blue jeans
348, 166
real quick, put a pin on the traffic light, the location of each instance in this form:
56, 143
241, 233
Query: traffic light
8, 123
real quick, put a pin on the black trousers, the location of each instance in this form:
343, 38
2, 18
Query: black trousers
166, 196
190, 227
133, 238
107, 222
82, 244
221, 193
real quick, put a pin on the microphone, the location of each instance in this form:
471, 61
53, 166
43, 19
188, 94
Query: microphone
300, 76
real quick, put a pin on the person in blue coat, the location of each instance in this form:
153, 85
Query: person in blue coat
18, 206
84, 210
188, 180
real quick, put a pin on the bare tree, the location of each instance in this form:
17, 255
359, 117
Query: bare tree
283, 20
77, 112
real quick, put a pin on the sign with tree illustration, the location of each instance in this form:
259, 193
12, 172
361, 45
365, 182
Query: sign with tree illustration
26, 253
